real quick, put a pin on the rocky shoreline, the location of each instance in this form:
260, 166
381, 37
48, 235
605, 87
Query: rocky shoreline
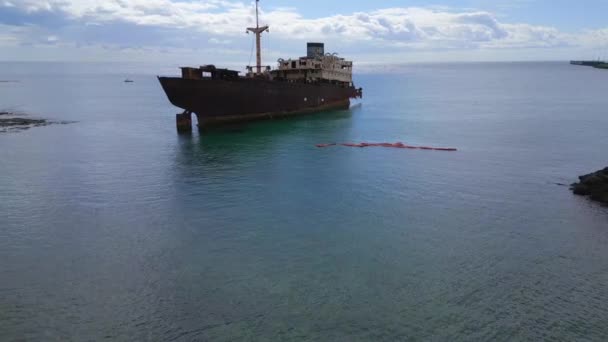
15, 122
594, 185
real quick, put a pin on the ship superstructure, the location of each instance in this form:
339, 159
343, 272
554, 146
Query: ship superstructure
315, 67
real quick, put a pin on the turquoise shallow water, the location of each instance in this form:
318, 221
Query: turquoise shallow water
116, 227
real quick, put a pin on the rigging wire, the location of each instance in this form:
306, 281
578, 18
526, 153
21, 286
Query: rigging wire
251, 51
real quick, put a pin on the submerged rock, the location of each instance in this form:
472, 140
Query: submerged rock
14, 122
594, 185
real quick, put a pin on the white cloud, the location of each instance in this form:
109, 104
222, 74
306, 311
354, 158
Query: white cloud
220, 41
222, 22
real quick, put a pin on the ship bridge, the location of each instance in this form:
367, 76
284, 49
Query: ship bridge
316, 66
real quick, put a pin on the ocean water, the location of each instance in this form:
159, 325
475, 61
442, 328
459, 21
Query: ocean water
117, 228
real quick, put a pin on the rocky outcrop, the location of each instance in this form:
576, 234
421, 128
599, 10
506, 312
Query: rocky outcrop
594, 185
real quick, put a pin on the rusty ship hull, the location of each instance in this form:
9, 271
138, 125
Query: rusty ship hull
223, 101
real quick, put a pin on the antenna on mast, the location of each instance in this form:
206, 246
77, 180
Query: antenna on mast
258, 38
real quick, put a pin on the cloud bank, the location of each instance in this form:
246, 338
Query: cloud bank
216, 27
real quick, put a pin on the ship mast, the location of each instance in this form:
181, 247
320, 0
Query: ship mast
258, 38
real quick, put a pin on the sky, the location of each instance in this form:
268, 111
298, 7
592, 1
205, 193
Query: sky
369, 32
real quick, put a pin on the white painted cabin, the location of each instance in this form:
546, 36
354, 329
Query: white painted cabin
315, 67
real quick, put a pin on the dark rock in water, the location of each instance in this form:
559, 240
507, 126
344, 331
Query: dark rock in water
594, 185
13, 122
22, 122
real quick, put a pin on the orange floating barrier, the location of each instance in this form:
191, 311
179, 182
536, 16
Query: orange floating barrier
326, 145
352, 145
393, 145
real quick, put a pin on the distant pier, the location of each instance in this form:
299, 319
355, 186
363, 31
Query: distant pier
596, 64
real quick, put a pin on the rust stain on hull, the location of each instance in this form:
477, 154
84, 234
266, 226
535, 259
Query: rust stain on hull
183, 122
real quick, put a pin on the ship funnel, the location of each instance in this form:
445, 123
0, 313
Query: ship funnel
315, 49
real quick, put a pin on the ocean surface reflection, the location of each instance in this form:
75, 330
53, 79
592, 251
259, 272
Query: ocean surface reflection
116, 227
